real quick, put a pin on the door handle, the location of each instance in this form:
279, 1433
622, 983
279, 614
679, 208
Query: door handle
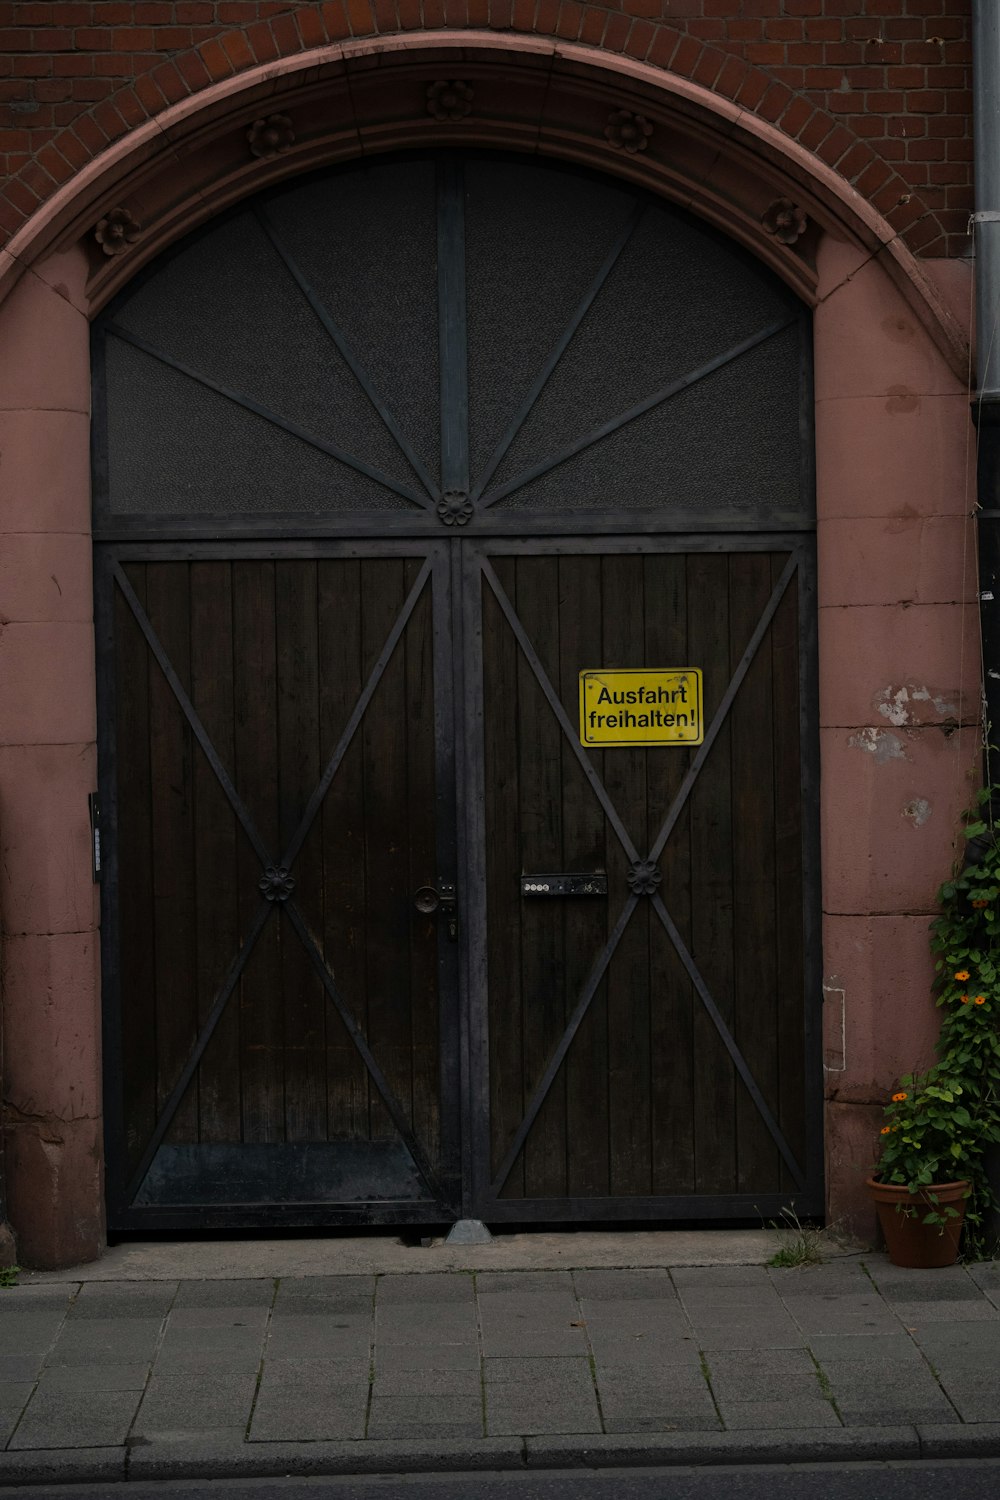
441, 898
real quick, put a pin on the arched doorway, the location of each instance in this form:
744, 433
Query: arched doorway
385, 461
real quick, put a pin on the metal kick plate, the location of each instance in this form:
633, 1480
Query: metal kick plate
595, 884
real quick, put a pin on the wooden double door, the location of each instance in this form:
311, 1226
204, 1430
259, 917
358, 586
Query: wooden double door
331, 770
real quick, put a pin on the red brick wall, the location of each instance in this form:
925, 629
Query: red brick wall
890, 75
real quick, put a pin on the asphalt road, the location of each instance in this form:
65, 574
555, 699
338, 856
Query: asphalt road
926, 1480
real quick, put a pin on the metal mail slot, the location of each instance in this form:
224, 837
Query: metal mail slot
595, 884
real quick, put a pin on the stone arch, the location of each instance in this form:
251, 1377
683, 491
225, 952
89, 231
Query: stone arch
730, 148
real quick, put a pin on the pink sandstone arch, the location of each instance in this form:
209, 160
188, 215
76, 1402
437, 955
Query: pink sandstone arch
896, 600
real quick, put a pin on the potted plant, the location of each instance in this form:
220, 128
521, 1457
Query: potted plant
931, 1176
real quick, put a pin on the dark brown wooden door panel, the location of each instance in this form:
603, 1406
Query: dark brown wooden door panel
648, 1051
283, 748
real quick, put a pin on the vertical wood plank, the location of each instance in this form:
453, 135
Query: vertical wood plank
789, 894
623, 627
389, 905
304, 1003
542, 966
215, 851
256, 743
585, 921
755, 973
341, 821
137, 952
174, 891
711, 825
503, 867
672, 997
422, 807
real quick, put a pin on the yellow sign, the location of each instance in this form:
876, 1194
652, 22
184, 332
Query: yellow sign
649, 707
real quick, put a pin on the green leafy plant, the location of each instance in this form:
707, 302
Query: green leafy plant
8, 1276
939, 1124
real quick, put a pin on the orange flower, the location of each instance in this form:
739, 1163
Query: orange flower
962, 974
980, 902
898, 1098
885, 1129
964, 999
980, 999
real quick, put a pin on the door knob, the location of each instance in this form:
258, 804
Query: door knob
429, 899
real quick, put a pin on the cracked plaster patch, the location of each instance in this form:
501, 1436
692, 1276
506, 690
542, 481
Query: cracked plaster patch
881, 743
918, 811
898, 704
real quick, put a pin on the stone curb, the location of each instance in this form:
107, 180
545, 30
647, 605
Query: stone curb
222, 1458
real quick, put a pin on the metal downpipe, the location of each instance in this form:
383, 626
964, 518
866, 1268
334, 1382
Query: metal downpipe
986, 405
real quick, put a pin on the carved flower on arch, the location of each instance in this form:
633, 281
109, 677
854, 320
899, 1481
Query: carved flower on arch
116, 231
627, 131
270, 136
643, 877
454, 508
276, 883
785, 220
449, 100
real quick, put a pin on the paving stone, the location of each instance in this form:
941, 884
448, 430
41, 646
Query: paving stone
31, 1332
219, 1317
309, 1400
178, 1404
646, 1407
189, 1349
836, 1278
95, 1377
973, 1343
123, 1299
976, 1400
426, 1416
445, 1324
501, 1283
734, 1384
534, 1408
13, 1399
540, 1395
415, 1357
737, 1319
463, 1382
884, 1351
896, 1413
337, 1336
16, 1367
918, 1314
102, 1341
536, 1318
652, 1286
42, 1297
946, 1284
753, 1416
444, 1287
225, 1293
850, 1313
75, 1419
719, 1276
311, 1295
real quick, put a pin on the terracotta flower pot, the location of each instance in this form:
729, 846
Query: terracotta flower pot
909, 1241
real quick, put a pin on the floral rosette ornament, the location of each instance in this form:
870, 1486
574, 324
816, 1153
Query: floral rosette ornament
939, 1124
785, 220
271, 136
116, 231
627, 131
449, 101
